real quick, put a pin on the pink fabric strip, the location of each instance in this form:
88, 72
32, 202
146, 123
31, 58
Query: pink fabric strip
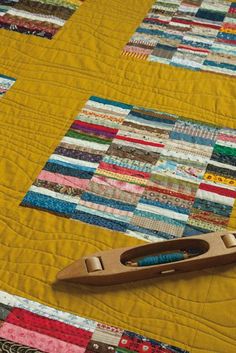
137, 50
105, 208
225, 137
136, 189
37, 340
49, 327
64, 179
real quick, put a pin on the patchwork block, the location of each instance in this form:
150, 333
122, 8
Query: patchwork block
197, 35
42, 18
5, 84
31, 327
146, 173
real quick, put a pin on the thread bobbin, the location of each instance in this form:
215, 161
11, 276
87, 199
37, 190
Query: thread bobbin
93, 264
229, 240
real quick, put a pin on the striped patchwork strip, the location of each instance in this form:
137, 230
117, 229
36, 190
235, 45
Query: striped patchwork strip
140, 171
5, 84
30, 327
42, 18
194, 34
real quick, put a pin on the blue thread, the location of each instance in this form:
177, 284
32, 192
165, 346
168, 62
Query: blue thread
161, 259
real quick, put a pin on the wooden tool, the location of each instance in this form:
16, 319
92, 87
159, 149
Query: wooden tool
117, 265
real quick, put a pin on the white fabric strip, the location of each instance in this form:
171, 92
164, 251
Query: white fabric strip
210, 196
83, 143
162, 211
49, 312
55, 195
74, 161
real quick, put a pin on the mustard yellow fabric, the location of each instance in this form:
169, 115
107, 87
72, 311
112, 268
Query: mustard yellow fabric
195, 311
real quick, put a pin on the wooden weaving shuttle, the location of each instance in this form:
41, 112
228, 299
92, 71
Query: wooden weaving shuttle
110, 267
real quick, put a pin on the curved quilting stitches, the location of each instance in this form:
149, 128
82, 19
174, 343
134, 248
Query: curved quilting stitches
54, 80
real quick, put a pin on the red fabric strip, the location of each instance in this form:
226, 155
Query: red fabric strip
221, 40
193, 49
49, 327
171, 193
206, 25
232, 10
185, 22
142, 142
150, 19
95, 127
210, 218
218, 190
121, 170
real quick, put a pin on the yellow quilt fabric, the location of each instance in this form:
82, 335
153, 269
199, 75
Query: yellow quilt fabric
53, 81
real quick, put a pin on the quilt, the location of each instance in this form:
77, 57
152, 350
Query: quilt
195, 34
28, 326
117, 125
147, 173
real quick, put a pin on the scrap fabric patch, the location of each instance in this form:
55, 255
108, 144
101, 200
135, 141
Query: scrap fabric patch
140, 171
194, 34
5, 84
30, 327
42, 18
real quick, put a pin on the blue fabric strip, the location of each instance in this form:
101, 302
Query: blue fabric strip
48, 203
210, 206
193, 230
220, 65
210, 15
185, 66
73, 166
99, 221
110, 102
192, 139
229, 36
86, 196
7, 77
165, 47
153, 119
56, 168
159, 33
197, 45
